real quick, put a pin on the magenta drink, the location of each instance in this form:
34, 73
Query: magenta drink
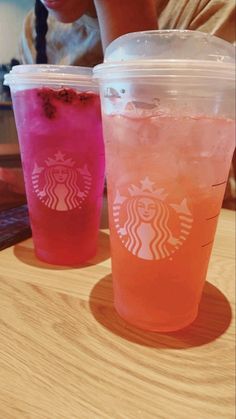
59, 127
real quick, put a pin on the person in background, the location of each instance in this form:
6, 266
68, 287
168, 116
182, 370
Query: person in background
216, 17
71, 32
76, 32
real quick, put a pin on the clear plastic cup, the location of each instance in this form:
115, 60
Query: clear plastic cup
168, 119
58, 119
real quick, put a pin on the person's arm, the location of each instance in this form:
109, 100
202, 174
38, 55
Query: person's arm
118, 17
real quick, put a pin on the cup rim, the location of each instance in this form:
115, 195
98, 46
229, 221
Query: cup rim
50, 75
165, 69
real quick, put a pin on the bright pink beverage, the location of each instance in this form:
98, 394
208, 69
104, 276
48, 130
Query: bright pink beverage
166, 181
62, 153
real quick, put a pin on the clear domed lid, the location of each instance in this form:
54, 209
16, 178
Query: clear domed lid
169, 52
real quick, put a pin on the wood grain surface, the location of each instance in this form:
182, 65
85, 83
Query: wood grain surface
65, 353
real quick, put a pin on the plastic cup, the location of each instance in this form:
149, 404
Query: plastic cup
58, 119
168, 121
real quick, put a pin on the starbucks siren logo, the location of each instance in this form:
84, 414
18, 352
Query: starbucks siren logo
59, 184
145, 229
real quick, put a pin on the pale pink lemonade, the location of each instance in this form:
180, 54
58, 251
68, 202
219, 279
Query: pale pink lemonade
62, 153
166, 181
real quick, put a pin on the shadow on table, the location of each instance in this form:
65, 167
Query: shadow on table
213, 319
25, 253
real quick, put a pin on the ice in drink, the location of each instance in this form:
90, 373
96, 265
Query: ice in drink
168, 102
166, 180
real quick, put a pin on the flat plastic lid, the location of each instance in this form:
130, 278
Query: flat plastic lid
51, 75
168, 52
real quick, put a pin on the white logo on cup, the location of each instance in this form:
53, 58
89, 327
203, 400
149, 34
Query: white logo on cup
142, 221
59, 184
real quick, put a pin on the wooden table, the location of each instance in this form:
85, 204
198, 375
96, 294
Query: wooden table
65, 353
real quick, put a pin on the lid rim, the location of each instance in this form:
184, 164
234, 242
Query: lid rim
158, 64
164, 69
53, 74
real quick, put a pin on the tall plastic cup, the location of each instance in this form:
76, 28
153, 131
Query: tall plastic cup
58, 119
168, 120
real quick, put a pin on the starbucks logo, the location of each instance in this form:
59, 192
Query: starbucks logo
145, 221
59, 184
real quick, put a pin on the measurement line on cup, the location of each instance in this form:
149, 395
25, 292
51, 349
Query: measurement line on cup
214, 216
207, 244
219, 184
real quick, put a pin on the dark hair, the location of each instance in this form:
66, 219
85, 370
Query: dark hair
41, 15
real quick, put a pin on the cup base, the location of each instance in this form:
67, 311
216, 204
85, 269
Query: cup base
183, 322
53, 259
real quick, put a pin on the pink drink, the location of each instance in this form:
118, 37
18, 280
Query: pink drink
168, 112
166, 181
62, 153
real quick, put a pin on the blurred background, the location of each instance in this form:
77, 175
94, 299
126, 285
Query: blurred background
12, 14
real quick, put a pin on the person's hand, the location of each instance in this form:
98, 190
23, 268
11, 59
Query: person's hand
13, 180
